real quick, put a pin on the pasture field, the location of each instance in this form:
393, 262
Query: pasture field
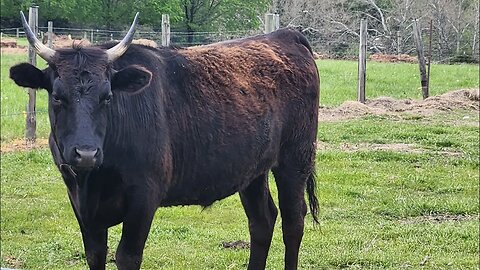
413, 207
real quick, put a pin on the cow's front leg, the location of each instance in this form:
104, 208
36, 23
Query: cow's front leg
94, 240
95, 243
136, 226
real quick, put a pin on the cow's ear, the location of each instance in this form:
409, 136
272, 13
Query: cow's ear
27, 75
131, 79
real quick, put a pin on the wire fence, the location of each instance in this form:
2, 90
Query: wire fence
96, 36
342, 45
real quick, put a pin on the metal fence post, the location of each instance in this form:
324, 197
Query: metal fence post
165, 30
31, 121
362, 61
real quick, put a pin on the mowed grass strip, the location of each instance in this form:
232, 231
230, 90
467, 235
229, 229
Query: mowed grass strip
380, 209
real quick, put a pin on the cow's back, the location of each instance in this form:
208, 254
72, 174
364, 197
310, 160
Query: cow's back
231, 106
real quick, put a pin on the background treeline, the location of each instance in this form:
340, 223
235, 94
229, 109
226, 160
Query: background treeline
185, 15
336, 22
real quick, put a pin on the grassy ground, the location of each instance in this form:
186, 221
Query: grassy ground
380, 209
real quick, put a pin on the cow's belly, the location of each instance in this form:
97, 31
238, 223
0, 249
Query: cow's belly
221, 173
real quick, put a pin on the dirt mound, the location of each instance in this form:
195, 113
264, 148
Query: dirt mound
392, 58
8, 43
10, 46
461, 99
67, 42
23, 145
145, 42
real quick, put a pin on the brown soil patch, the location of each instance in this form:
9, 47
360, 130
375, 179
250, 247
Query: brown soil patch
23, 145
393, 58
239, 244
12, 261
8, 50
395, 147
461, 99
440, 218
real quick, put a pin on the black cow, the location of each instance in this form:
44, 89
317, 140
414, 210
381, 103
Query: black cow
134, 128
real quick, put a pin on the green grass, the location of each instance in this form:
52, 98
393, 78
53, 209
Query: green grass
397, 80
376, 205
14, 101
374, 208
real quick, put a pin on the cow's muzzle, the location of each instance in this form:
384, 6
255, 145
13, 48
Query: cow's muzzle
86, 158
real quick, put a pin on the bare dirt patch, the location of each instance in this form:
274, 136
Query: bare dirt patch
436, 219
239, 244
467, 99
10, 46
394, 147
23, 145
393, 58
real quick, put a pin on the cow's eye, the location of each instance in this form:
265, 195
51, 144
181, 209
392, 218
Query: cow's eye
56, 100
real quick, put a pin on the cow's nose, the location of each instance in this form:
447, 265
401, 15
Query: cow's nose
86, 158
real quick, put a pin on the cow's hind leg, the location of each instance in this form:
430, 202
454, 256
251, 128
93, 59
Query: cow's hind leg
293, 176
262, 213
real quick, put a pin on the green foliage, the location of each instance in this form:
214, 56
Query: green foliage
188, 15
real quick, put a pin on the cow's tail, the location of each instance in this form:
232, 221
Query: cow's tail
312, 197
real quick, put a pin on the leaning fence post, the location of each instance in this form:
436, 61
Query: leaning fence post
421, 59
50, 34
165, 30
31, 121
362, 61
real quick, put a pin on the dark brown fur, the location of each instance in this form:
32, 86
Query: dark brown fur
186, 126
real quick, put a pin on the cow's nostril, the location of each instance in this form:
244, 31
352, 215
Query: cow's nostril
86, 158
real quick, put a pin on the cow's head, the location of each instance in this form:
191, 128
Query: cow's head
80, 83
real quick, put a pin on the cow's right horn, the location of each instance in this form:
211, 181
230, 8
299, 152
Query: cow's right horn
42, 50
117, 51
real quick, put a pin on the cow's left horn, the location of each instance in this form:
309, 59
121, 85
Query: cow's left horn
42, 50
117, 51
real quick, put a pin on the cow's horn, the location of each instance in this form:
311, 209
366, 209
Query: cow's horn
42, 50
117, 51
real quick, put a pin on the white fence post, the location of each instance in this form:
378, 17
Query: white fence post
165, 30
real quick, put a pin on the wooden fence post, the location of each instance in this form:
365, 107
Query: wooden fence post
31, 121
399, 45
165, 30
429, 55
18, 32
91, 36
50, 34
362, 61
271, 22
276, 21
421, 59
